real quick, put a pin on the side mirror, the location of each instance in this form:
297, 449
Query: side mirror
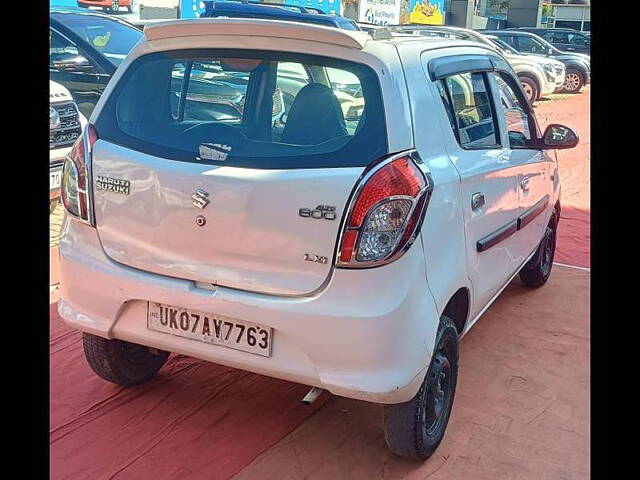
559, 137
69, 63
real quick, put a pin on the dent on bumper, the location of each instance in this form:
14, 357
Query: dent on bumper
368, 335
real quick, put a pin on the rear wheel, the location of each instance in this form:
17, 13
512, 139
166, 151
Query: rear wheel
122, 362
537, 270
414, 429
530, 88
573, 81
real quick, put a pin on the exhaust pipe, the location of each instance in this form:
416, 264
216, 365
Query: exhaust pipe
312, 395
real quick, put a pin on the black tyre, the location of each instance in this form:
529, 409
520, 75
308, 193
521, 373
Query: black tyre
122, 362
536, 271
530, 88
414, 429
573, 81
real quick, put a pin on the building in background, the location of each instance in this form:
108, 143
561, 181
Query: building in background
568, 14
494, 14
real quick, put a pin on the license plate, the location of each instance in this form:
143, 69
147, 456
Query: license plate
54, 179
209, 328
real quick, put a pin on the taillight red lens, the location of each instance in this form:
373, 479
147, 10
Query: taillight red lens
74, 189
400, 177
385, 213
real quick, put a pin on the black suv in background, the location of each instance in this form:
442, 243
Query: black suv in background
85, 48
577, 65
564, 39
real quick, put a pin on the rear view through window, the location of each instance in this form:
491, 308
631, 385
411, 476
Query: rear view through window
248, 108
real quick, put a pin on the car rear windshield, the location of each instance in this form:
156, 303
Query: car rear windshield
258, 109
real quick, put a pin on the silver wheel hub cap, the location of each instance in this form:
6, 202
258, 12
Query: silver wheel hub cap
527, 90
571, 81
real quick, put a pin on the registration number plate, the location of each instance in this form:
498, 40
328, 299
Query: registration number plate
54, 179
209, 328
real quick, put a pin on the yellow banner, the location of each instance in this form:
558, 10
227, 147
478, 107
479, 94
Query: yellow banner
427, 14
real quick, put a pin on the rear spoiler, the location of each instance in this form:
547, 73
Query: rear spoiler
254, 27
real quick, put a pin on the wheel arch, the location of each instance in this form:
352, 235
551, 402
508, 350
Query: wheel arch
532, 77
555, 216
457, 308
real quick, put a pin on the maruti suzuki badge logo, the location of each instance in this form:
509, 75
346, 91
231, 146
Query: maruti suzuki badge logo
115, 185
200, 199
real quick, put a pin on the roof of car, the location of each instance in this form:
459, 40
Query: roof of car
535, 29
275, 11
508, 31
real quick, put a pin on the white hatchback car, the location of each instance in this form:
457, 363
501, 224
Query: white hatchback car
226, 203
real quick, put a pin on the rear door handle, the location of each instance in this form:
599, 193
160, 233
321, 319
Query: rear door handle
477, 201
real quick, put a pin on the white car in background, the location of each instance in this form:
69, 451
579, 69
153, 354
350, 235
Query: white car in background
345, 251
538, 76
65, 126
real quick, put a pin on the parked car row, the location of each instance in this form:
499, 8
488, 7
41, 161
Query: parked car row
320, 205
538, 77
577, 65
564, 39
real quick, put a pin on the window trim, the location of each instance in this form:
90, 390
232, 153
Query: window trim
456, 129
531, 120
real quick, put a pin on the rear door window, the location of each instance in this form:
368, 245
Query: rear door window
259, 109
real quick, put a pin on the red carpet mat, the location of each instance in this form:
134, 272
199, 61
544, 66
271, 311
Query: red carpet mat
195, 420
574, 232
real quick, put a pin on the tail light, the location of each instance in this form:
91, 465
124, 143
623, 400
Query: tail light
75, 189
385, 213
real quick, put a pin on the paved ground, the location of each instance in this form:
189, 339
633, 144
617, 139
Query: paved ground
55, 221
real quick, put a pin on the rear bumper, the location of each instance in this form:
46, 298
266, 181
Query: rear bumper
368, 335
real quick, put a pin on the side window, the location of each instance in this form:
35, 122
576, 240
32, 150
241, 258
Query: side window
508, 39
59, 46
472, 110
530, 45
558, 37
577, 39
520, 126
61, 49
